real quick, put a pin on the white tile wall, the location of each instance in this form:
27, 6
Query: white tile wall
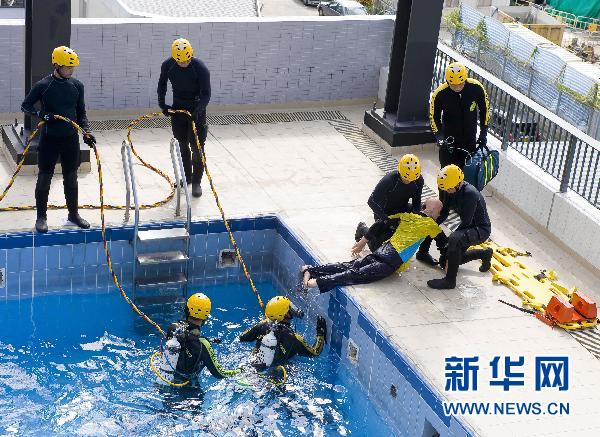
250, 61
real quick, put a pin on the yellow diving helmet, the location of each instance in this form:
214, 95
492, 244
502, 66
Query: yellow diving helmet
277, 308
409, 167
198, 306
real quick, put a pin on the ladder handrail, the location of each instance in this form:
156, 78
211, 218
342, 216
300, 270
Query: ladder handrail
179, 178
131, 188
185, 190
181, 172
127, 181
137, 209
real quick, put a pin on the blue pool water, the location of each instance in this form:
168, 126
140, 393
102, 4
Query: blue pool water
78, 365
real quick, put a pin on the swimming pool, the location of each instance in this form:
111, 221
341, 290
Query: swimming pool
74, 357
78, 364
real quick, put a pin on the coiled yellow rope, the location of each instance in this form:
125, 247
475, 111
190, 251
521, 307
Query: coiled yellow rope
87, 206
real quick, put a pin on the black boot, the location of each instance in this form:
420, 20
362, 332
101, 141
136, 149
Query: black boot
72, 199
426, 258
76, 219
41, 225
361, 231
423, 253
449, 282
485, 255
196, 190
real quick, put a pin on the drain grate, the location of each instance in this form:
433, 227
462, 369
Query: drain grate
589, 339
381, 158
224, 119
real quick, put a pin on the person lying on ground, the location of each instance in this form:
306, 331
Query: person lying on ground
393, 256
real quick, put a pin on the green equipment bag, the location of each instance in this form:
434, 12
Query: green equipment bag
481, 167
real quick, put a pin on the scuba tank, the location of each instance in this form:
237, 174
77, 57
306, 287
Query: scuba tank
265, 354
168, 361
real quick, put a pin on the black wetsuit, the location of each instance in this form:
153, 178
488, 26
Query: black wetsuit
60, 97
393, 255
191, 91
475, 227
196, 353
455, 114
373, 267
289, 343
391, 196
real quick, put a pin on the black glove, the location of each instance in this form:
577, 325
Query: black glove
321, 327
89, 139
296, 312
46, 116
165, 109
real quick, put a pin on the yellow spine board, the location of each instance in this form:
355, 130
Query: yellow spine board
535, 292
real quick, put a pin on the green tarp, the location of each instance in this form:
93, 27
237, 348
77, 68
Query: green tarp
581, 8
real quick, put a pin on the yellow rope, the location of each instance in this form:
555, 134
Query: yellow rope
88, 206
130, 127
162, 378
103, 207
216, 196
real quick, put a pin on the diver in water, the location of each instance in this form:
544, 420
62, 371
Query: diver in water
276, 341
186, 352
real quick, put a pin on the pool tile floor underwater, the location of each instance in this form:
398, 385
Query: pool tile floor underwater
319, 183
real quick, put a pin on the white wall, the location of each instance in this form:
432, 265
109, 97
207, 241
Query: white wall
251, 60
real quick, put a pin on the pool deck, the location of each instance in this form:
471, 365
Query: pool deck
319, 183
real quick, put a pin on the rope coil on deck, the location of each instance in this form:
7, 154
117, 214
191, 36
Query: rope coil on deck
88, 206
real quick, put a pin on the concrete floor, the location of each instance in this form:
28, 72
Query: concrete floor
286, 8
319, 182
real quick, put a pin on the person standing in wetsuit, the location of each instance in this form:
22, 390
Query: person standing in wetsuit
59, 94
279, 312
190, 80
475, 227
196, 351
398, 191
453, 111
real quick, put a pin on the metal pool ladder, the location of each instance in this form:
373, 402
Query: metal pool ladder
161, 255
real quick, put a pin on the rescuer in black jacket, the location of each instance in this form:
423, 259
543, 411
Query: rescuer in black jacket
190, 80
398, 191
453, 111
59, 94
475, 228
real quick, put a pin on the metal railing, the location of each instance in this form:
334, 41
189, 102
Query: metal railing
130, 186
181, 182
131, 191
554, 145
